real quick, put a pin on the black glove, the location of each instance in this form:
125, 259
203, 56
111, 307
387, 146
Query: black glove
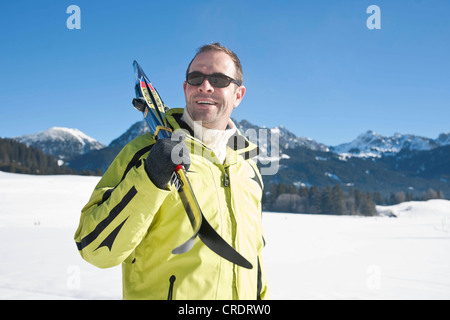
163, 158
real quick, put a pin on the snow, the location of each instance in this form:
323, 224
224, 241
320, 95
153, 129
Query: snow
332, 176
306, 256
334, 257
39, 259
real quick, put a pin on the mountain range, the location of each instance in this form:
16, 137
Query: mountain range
370, 162
372, 144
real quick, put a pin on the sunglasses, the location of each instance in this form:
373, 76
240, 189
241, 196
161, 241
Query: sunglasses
217, 80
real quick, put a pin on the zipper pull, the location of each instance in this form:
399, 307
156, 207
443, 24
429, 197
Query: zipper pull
172, 281
226, 179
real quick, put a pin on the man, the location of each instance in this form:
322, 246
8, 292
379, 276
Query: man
135, 216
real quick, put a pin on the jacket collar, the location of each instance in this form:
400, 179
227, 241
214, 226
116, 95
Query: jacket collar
238, 143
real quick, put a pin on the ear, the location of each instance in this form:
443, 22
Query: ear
239, 95
184, 87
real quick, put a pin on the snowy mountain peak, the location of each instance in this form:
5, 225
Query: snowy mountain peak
444, 139
137, 129
61, 133
62, 143
372, 144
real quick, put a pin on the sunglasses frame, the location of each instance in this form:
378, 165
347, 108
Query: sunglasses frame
208, 76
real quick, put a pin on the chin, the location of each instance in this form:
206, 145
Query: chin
204, 116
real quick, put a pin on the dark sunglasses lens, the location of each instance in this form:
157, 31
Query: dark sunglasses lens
219, 81
195, 79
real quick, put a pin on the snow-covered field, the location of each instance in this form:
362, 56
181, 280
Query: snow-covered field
306, 257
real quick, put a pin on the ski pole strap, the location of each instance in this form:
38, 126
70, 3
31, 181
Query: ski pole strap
160, 128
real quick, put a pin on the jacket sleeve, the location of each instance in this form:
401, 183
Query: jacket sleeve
120, 210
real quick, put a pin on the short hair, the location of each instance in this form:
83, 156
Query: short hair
218, 47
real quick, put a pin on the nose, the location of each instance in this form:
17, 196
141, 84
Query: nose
205, 86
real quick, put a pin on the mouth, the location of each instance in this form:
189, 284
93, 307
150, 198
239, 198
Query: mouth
206, 102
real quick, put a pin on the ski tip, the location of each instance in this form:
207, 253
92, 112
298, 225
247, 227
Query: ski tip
245, 264
185, 247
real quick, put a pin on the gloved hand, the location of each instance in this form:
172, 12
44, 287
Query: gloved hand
163, 158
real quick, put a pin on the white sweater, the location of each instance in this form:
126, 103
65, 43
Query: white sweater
215, 139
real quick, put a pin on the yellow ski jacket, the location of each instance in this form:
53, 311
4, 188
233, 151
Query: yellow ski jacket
129, 220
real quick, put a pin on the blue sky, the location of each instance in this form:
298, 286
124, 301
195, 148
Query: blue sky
312, 66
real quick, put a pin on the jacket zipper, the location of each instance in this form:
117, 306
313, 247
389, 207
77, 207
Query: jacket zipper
226, 178
226, 184
171, 281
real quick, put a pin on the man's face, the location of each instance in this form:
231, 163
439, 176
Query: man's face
210, 105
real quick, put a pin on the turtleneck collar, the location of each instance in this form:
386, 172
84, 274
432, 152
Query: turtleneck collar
215, 139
